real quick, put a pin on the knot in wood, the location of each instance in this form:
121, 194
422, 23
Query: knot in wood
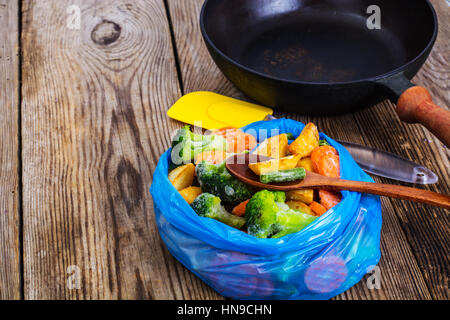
106, 32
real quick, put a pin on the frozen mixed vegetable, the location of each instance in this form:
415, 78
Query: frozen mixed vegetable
283, 175
237, 140
209, 206
205, 183
187, 145
216, 179
268, 216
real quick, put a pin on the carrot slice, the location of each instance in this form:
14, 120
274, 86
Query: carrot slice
239, 210
224, 130
214, 157
241, 143
329, 199
317, 208
238, 141
325, 161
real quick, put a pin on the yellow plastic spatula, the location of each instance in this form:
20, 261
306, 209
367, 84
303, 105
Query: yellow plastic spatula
216, 111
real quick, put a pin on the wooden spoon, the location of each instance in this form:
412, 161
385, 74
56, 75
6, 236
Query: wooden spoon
238, 166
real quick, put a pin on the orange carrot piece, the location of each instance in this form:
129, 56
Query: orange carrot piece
329, 199
239, 210
238, 141
242, 142
214, 157
223, 131
325, 161
317, 208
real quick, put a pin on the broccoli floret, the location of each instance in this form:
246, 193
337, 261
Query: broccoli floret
291, 221
261, 213
216, 179
269, 217
209, 206
186, 145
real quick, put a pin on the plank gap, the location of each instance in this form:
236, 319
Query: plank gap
9, 156
174, 47
19, 152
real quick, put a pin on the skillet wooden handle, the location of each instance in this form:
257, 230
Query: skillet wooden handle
415, 105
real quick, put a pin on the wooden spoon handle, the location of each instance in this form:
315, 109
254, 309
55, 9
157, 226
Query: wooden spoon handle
388, 190
415, 105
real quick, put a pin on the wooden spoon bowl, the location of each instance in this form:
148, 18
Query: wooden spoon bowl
237, 165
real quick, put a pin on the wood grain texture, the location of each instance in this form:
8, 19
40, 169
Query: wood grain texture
9, 156
400, 272
195, 61
427, 228
94, 126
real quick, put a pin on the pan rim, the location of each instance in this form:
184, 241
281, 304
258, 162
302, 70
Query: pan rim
389, 74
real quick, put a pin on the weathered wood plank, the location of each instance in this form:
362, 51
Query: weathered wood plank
194, 59
427, 228
94, 126
400, 274
9, 156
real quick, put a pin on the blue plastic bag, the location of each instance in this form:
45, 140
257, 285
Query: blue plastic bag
321, 261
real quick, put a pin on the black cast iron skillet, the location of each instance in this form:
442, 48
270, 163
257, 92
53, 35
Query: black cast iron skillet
320, 57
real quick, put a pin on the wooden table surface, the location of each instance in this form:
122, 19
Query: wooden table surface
83, 123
